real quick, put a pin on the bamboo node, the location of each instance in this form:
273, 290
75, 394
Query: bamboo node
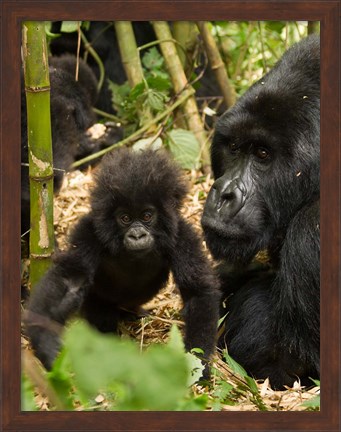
41, 179
217, 65
41, 256
37, 89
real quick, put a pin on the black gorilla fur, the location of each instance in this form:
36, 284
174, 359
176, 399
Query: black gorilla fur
265, 158
121, 254
71, 115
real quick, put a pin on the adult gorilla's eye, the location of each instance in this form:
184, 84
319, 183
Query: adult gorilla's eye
262, 153
126, 219
147, 216
233, 148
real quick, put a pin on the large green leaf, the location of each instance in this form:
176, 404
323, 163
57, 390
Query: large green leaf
97, 359
152, 380
185, 148
60, 378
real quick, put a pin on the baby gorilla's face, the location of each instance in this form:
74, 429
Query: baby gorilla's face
136, 227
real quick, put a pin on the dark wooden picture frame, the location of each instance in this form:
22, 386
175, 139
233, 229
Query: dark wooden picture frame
12, 14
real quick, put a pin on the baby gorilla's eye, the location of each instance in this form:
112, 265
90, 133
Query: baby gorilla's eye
126, 219
147, 216
262, 153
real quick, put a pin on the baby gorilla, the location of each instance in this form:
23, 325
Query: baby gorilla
121, 254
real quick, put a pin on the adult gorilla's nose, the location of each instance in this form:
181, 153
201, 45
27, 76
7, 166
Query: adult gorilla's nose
226, 198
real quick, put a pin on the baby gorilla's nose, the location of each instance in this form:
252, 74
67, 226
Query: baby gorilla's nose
138, 238
136, 234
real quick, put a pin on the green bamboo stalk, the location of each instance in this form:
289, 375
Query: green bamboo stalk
131, 60
185, 33
37, 88
129, 54
179, 82
217, 64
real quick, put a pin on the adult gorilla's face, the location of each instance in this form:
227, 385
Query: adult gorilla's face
236, 216
265, 159
265, 168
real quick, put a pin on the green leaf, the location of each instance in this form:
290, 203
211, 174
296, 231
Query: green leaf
252, 384
69, 26
222, 390
185, 148
313, 404
155, 100
86, 25
198, 403
221, 320
152, 380
166, 373
175, 339
236, 368
159, 83
119, 98
119, 92
197, 351
60, 379
137, 91
152, 59
157, 73
27, 395
87, 348
316, 382
196, 368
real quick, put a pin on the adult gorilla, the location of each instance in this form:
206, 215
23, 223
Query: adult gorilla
265, 158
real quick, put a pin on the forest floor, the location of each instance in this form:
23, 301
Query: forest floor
164, 310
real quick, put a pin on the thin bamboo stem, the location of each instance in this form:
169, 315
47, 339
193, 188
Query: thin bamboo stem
180, 82
217, 64
37, 88
131, 61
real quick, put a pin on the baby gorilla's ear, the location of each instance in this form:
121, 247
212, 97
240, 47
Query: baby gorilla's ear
82, 117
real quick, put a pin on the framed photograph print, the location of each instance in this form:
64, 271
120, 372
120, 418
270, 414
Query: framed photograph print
221, 85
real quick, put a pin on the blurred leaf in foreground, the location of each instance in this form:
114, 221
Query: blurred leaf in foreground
156, 379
